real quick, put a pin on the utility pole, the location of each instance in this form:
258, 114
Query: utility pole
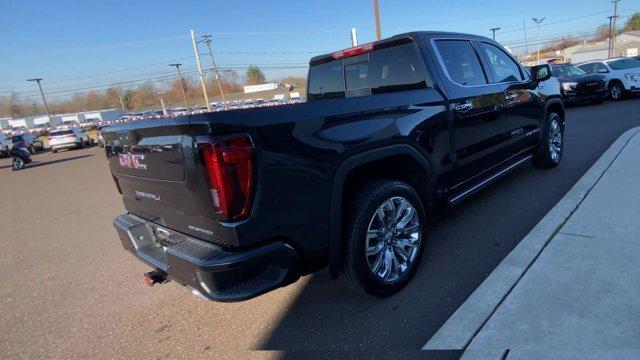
184, 95
43, 100
612, 29
164, 108
493, 30
207, 40
526, 43
538, 21
610, 39
376, 13
354, 37
199, 65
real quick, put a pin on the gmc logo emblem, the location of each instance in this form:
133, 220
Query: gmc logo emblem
133, 161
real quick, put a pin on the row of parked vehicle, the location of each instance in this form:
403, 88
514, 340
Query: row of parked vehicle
59, 139
594, 81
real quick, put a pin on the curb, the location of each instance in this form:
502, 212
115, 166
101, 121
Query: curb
466, 322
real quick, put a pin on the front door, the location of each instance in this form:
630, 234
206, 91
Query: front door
523, 108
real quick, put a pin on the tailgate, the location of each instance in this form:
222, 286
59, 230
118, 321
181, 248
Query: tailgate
159, 172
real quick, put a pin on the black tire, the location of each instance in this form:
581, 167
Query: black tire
54, 151
544, 157
616, 91
32, 149
361, 209
82, 145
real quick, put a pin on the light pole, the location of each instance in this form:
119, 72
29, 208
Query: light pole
43, 100
538, 21
493, 30
184, 95
207, 40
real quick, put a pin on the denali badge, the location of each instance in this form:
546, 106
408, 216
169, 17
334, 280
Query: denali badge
133, 161
147, 195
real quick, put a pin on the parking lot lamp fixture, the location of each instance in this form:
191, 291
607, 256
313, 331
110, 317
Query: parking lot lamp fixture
43, 100
538, 21
184, 95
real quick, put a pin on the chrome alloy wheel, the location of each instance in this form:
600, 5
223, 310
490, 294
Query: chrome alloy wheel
393, 239
555, 138
616, 92
17, 163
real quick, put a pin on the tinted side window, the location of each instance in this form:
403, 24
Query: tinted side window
588, 68
503, 68
624, 64
392, 69
593, 67
326, 81
461, 62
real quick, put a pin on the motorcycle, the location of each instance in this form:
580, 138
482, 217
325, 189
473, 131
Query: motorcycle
21, 156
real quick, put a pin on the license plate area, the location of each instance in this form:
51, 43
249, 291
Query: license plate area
137, 237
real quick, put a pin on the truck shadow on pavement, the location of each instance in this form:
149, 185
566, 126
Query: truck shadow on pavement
36, 163
327, 315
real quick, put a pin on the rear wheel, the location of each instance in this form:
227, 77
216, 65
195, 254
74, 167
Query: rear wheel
550, 149
384, 237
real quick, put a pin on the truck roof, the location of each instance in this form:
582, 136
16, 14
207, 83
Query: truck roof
414, 35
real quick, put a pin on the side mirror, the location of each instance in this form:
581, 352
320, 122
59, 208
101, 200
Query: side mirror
602, 71
541, 72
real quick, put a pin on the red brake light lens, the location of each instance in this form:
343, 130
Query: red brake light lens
358, 50
229, 165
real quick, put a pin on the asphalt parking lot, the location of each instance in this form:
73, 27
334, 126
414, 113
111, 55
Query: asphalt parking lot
70, 289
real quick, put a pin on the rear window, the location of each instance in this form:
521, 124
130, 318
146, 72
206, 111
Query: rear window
61, 132
624, 64
392, 69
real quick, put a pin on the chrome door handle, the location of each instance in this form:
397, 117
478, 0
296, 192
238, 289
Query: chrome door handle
463, 107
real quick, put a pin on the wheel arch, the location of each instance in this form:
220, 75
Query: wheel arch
354, 167
556, 105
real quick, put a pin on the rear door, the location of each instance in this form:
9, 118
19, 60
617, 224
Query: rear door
477, 107
523, 108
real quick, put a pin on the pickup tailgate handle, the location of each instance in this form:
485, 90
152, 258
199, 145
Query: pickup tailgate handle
463, 107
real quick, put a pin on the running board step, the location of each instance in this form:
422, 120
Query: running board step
459, 197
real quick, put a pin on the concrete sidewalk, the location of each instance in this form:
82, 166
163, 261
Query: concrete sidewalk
579, 296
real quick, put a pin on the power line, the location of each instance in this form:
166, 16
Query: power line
554, 23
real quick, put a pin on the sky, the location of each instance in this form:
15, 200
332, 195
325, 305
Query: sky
79, 46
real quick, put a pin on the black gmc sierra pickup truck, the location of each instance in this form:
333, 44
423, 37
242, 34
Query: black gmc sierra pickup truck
233, 204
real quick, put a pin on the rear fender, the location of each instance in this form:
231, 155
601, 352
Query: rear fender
341, 174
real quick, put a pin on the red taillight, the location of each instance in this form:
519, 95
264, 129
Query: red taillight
229, 165
358, 50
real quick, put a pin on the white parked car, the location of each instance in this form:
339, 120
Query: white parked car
622, 75
68, 138
5, 145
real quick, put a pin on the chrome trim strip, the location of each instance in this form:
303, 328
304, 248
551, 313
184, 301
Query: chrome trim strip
488, 180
